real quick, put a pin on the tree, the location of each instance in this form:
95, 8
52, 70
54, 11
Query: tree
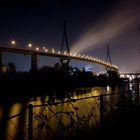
11, 67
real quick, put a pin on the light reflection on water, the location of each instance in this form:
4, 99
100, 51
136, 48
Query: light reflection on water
63, 112
1, 113
12, 124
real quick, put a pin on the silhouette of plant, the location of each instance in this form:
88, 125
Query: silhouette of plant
70, 123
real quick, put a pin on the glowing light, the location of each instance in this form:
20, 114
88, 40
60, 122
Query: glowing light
79, 55
65, 53
13, 42
74, 54
108, 89
83, 56
30, 45
37, 49
12, 129
52, 50
46, 50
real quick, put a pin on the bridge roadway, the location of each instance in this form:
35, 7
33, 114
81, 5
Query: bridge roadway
34, 53
130, 73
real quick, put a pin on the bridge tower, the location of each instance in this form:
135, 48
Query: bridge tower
65, 60
110, 72
108, 58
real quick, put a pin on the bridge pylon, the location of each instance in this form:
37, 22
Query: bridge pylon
65, 60
108, 58
110, 70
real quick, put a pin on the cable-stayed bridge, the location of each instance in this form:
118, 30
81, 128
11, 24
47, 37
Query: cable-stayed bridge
34, 52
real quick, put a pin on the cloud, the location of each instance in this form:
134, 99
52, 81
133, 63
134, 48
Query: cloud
121, 19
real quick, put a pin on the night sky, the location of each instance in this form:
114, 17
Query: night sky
91, 27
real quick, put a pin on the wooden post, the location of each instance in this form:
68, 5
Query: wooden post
30, 122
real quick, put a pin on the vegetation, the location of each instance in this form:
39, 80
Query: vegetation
59, 80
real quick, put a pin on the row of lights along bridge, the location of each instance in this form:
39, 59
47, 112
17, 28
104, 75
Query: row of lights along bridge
44, 49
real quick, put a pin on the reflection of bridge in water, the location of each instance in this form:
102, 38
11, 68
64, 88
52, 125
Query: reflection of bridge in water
52, 53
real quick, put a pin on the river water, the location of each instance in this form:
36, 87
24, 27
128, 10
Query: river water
53, 118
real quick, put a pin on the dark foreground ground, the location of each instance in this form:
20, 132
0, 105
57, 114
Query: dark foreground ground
124, 125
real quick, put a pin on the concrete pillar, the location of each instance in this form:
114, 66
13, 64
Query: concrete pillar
33, 62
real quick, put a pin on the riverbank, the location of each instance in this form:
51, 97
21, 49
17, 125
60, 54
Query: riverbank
124, 124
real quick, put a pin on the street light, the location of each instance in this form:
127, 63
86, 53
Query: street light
30, 45
37, 49
13, 42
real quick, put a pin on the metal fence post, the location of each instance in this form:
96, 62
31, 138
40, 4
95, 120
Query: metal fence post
101, 111
30, 122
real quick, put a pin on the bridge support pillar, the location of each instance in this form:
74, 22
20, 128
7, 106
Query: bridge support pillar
33, 62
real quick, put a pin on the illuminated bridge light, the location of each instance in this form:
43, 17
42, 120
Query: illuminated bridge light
46, 50
37, 49
96, 59
74, 54
65, 53
101, 61
52, 50
79, 55
43, 48
30, 45
83, 56
90, 57
107, 63
13, 42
